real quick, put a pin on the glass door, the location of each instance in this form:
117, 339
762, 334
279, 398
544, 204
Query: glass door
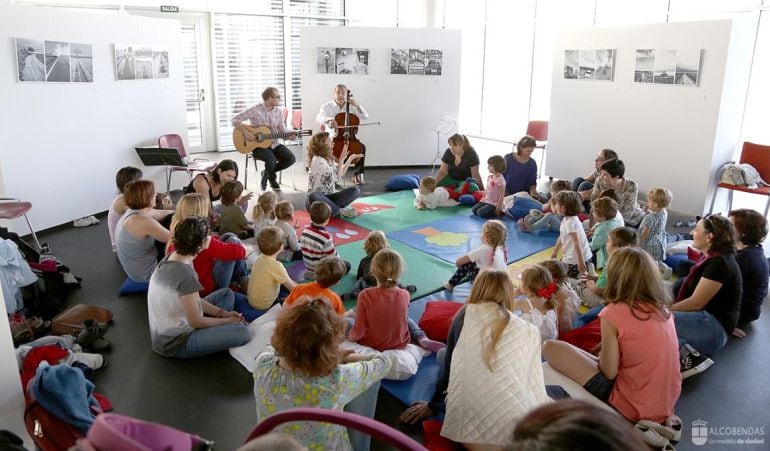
197, 94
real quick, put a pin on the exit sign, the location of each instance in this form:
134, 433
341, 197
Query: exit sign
169, 9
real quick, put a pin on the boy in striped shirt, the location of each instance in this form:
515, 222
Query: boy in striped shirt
315, 241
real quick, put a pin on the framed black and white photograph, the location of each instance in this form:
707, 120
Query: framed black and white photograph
687, 67
345, 61
81, 63
645, 64
434, 62
159, 62
124, 62
57, 61
399, 61
571, 64
587, 64
30, 60
416, 62
143, 62
665, 66
605, 64
361, 66
325, 60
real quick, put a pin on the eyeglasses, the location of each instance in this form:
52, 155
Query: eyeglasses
276, 97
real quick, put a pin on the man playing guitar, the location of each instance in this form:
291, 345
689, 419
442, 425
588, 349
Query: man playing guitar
336, 106
278, 157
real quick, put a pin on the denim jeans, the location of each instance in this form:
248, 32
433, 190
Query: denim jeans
276, 160
549, 222
209, 340
484, 210
335, 201
700, 330
227, 271
243, 307
364, 404
580, 184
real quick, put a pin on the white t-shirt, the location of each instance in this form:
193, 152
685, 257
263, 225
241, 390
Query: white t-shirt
568, 225
485, 258
619, 218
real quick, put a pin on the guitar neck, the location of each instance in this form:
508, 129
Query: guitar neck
264, 136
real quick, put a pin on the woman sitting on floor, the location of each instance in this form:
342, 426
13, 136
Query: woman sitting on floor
223, 261
583, 186
182, 324
521, 169
637, 371
613, 177
305, 367
459, 162
751, 230
325, 173
708, 302
138, 236
482, 373
210, 184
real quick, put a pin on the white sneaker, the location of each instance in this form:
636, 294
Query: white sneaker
82, 222
349, 212
92, 219
93, 361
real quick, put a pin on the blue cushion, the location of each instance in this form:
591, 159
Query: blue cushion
673, 260
521, 207
467, 200
131, 286
402, 182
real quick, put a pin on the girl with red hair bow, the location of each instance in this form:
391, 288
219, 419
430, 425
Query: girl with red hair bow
538, 306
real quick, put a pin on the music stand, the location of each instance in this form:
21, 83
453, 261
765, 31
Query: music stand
444, 126
161, 156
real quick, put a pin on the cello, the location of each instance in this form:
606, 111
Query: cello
345, 132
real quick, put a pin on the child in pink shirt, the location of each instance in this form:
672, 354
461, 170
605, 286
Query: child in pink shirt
491, 205
381, 320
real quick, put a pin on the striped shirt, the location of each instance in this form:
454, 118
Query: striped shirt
316, 243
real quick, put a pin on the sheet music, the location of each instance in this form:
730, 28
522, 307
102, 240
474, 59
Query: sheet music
445, 125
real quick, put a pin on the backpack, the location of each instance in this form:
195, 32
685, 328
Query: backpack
741, 174
47, 431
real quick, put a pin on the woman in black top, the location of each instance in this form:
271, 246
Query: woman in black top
709, 301
459, 162
751, 230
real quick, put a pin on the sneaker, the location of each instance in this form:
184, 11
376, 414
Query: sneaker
691, 362
679, 223
348, 212
411, 288
93, 361
92, 219
591, 270
690, 222
263, 181
651, 436
82, 222
275, 186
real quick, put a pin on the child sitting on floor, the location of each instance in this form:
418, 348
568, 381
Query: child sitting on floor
267, 273
567, 300
231, 219
375, 242
652, 230
316, 241
328, 273
572, 237
538, 306
491, 254
263, 213
381, 320
284, 215
432, 196
491, 205
546, 219
605, 213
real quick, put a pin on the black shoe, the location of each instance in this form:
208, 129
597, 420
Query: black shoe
263, 182
91, 336
275, 186
691, 362
411, 288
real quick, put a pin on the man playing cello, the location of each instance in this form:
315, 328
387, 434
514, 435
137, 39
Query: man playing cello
278, 157
336, 106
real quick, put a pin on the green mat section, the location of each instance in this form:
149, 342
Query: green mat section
425, 272
403, 215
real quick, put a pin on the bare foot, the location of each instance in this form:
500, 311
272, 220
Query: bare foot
739, 333
521, 223
448, 287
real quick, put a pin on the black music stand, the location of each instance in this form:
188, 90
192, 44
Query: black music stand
161, 156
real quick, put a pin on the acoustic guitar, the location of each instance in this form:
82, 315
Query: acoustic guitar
263, 137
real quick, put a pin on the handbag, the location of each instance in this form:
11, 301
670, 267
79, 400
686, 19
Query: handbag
70, 321
47, 431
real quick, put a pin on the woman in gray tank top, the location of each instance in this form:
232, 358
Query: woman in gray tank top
137, 232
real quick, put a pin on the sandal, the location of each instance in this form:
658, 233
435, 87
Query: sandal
669, 432
651, 436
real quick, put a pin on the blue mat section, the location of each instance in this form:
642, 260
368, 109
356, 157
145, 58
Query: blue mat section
422, 385
450, 238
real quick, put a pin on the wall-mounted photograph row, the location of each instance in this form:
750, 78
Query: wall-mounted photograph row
346, 60
657, 66
140, 62
53, 61
593, 64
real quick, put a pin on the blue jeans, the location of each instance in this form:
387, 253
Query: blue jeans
700, 330
209, 340
227, 271
549, 222
335, 201
580, 184
484, 210
364, 404
276, 160
243, 307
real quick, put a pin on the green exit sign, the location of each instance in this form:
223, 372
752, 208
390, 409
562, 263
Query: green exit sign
169, 9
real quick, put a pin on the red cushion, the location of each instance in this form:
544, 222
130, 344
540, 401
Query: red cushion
438, 317
432, 438
585, 337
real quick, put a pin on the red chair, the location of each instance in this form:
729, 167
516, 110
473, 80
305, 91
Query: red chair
757, 156
539, 131
375, 429
174, 141
11, 208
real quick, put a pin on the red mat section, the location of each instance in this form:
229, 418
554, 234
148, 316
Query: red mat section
342, 231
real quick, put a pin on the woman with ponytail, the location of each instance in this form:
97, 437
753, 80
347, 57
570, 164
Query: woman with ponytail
459, 162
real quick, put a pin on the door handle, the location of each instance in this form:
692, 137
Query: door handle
202, 96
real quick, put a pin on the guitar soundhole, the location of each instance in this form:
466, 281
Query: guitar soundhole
260, 137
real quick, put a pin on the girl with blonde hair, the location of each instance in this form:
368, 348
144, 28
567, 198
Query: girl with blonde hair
491, 254
223, 262
263, 213
540, 302
492, 359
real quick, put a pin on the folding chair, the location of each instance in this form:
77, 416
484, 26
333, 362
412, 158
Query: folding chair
12, 208
174, 141
757, 156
